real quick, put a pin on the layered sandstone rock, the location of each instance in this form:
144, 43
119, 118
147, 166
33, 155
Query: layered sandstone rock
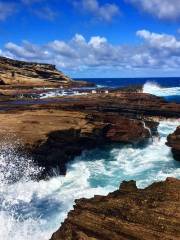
19, 73
173, 141
128, 213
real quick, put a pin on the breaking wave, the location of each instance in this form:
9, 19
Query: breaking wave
155, 89
34, 210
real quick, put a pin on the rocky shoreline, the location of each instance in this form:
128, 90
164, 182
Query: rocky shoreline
128, 213
55, 130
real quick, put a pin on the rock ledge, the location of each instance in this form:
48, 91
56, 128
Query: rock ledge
127, 214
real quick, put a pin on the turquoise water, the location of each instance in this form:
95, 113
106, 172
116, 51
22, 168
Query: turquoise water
34, 210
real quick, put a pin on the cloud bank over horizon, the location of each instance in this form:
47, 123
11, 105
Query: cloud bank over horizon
156, 51
87, 37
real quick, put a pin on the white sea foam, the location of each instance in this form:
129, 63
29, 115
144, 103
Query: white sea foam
60, 93
155, 89
34, 210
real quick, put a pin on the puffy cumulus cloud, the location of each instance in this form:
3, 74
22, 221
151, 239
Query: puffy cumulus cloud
104, 12
156, 51
163, 9
160, 40
62, 48
6, 10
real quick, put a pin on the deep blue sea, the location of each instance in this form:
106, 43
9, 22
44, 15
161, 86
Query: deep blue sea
123, 82
34, 210
165, 87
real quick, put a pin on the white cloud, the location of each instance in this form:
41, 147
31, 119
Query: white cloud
6, 10
163, 9
159, 40
97, 41
104, 12
26, 51
62, 48
157, 51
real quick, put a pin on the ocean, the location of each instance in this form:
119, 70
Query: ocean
163, 87
34, 210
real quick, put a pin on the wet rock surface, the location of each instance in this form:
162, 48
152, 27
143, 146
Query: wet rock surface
128, 213
173, 141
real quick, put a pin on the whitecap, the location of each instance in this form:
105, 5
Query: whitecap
155, 89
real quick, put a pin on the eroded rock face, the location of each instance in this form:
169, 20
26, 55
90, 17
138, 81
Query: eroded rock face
55, 137
56, 130
128, 213
173, 141
13, 72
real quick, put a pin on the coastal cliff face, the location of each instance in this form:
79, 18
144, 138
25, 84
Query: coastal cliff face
128, 213
173, 141
13, 72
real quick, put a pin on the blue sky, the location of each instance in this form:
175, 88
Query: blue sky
94, 38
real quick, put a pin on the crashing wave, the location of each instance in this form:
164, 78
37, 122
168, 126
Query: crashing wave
156, 89
33, 210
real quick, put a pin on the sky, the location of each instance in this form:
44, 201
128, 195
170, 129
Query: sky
94, 38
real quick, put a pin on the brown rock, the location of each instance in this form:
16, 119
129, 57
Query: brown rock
173, 141
55, 137
19, 73
130, 213
56, 130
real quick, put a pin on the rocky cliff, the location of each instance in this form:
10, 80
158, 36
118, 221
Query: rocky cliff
127, 214
13, 72
173, 141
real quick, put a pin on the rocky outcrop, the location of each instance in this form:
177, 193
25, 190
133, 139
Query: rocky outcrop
19, 73
173, 141
130, 104
128, 213
56, 130
55, 137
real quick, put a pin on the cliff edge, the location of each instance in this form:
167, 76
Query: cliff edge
17, 73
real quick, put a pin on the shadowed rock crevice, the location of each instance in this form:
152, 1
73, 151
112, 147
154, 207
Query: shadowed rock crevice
173, 141
63, 145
